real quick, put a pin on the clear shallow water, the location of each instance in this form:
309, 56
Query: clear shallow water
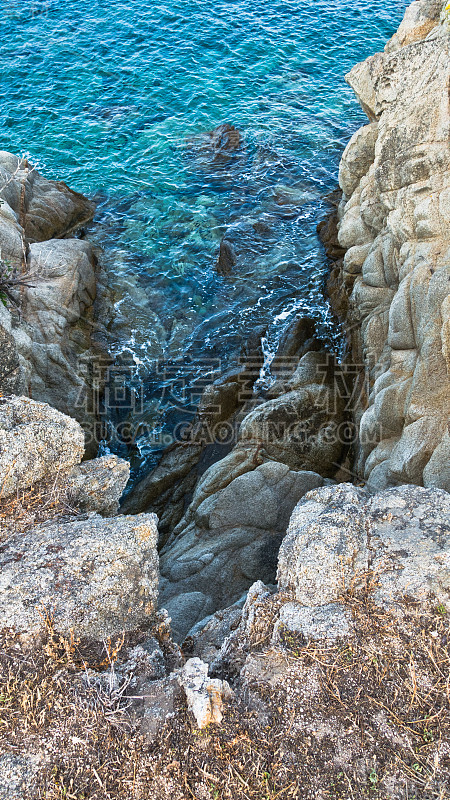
110, 95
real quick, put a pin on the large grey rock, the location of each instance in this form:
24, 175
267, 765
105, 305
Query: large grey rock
93, 576
395, 545
63, 288
44, 209
256, 499
338, 535
229, 538
55, 335
394, 223
230, 534
58, 333
36, 444
325, 545
98, 485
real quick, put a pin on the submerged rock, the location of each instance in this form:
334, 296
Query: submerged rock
226, 258
218, 145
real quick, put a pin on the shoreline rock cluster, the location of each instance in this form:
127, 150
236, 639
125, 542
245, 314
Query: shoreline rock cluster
391, 278
262, 547
44, 347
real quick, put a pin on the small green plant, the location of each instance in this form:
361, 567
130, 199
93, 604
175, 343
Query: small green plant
441, 609
427, 735
373, 779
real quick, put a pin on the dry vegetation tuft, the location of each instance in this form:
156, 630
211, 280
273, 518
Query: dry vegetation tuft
39, 503
368, 718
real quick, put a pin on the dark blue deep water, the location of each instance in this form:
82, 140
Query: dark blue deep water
111, 96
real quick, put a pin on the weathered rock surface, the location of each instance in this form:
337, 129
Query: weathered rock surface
10, 376
17, 774
44, 209
93, 576
229, 538
338, 534
394, 226
205, 696
97, 485
36, 444
55, 329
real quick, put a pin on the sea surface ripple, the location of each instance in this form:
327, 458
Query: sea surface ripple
111, 97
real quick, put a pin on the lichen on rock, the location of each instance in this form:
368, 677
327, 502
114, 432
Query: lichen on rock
93, 577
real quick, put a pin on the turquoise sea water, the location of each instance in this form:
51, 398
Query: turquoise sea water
110, 95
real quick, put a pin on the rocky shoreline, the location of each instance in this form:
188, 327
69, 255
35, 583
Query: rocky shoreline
327, 522
391, 285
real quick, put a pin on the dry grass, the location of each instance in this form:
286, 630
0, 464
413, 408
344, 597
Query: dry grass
37, 504
369, 718
11, 284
